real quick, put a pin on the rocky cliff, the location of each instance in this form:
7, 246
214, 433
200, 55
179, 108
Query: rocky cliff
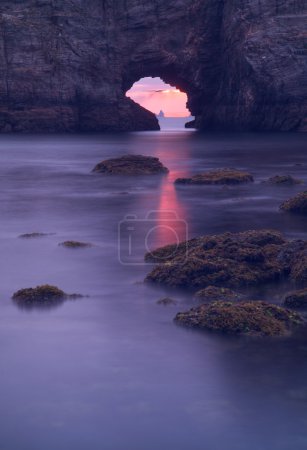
65, 65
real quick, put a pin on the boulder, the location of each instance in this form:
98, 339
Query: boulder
131, 165
251, 318
75, 244
297, 204
44, 295
296, 299
167, 301
284, 180
220, 176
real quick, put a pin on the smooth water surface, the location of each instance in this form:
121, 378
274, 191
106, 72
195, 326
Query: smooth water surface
112, 371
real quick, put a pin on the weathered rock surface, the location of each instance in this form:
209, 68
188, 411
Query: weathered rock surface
284, 180
297, 204
249, 318
220, 176
296, 299
230, 260
66, 65
45, 295
212, 294
131, 165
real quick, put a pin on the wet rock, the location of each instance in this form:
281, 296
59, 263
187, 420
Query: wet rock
212, 293
297, 204
284, 180
226, 260
220, 176
131, 165
296, 299
167, 301
45, 295
75, 244
34, 235
249, 318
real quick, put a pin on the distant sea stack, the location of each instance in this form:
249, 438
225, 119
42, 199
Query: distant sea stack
66, 66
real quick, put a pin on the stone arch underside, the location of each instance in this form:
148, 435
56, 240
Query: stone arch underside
66, 65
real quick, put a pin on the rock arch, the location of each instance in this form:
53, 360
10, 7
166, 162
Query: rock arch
65, 65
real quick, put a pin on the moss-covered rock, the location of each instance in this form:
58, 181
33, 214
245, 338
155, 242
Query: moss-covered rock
296, 299
249, 318
213, 293
131, 165
227, 260
297, 204
75, 244
220, 176
284, 180
44, 295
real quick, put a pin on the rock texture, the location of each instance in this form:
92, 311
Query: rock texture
251, 258
249, 318
296, 299
131, 165
297, 204
65, 65
220, 176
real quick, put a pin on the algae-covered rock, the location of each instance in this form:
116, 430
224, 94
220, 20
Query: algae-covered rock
297, 204
131, 165
227, 260
34, 235
213, 293
220, 176
45, 295
249, 318
296, 299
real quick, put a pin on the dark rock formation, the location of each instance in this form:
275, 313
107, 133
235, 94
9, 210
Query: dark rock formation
42, 296
220, 176
250, 318
284, 180
66, 65
167, 301
230, 260
296, 299
75, 244
297, 204
34, 235
212, 294
131, 165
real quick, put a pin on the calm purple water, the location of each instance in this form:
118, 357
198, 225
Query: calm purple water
112, 371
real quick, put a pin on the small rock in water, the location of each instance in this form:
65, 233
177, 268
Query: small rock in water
284, 180
166, 301
297, 204
296, 299
75, 244
34, 235
42, 295
131, 165
213, 293
220, 176
251, 318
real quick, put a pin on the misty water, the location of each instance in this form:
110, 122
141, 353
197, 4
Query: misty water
112, 371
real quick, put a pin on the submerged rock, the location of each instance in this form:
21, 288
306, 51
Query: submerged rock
284, 180
212, 293
131, 165
297, 204
75, 244
34, 235
296, 299
220, 176
44, 295
167, 301
249, 318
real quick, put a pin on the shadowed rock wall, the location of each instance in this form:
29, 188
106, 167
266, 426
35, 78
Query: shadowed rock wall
65, 65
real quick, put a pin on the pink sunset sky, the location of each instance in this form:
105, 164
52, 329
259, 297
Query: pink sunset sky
155, 95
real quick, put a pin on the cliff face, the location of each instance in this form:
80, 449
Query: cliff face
65, 65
